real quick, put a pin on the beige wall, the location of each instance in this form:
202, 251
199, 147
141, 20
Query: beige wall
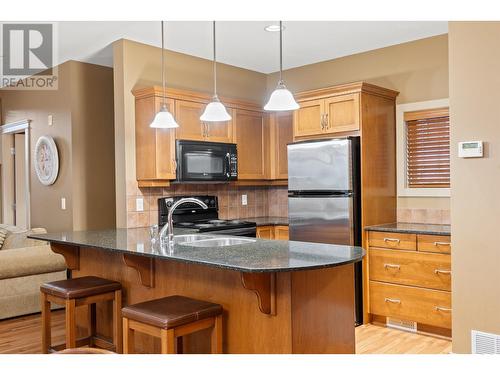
418, 70
475, 203
138, 65
82, 111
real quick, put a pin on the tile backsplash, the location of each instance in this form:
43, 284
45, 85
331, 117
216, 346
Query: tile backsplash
423, 215
261, 201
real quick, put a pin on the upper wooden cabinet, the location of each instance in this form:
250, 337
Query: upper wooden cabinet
281, 134
335, 111
250, 137
192, 128
154, 148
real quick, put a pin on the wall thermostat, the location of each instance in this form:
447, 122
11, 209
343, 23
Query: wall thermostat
471, 149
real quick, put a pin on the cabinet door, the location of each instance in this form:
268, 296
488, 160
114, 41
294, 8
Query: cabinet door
249, 134
221, 131
266, 232
308, 119
281, 232
281, 136
187, 115
155, 148
342, 113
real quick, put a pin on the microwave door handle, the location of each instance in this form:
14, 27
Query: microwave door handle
228, 169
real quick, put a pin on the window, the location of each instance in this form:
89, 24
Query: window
423, 149
428, 148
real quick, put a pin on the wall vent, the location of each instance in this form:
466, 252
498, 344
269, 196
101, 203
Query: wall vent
485, 343
404, 325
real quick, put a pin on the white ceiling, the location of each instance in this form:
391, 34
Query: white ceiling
243, 43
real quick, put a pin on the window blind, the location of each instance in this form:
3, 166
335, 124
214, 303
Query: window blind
428, 148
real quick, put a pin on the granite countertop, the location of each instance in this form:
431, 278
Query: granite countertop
437, 229
268, 220
257, 256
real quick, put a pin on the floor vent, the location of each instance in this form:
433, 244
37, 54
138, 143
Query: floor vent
485, 343
404, 325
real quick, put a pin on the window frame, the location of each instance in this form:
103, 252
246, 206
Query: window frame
403, 190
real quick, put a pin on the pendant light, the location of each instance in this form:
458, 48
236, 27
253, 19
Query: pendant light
163, 119
215, 110
281, 98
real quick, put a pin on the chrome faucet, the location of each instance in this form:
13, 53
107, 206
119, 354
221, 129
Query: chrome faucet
168, 227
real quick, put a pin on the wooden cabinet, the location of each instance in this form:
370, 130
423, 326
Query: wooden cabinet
335, 114
187, 114
273, 232
249, 135
410, 278
155, 148
281, 134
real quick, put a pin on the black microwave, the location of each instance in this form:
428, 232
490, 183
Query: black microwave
206, 161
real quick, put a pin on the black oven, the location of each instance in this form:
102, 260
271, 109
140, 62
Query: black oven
206, 161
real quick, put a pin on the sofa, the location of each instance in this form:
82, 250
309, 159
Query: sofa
24, 265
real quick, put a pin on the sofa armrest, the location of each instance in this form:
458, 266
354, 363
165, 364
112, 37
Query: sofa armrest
27, 261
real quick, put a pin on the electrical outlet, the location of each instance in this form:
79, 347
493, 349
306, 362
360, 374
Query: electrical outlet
244, 200
63, 203
139, 204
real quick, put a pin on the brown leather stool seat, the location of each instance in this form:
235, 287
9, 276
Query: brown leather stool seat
173, 316
87, 290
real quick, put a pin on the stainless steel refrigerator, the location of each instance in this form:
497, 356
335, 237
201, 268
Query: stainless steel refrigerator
324, 197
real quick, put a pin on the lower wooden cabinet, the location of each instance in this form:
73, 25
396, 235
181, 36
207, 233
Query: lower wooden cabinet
273, 232
410, 278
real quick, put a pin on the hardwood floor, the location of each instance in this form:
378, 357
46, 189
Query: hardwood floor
374, 339
22, 335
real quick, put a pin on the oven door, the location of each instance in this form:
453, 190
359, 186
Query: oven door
204, 161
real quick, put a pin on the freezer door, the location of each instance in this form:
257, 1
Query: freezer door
321, 219
320, 166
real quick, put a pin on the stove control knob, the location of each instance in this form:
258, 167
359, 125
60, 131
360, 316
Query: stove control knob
212, 202
169, 203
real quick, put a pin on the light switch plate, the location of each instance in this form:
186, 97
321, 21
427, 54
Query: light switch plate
50, 121
139, 204
244, 200
63, 203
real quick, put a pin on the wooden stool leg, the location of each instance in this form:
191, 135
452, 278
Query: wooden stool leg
128, 338
117, 322
91, 323
167, 341
70, 324
46, 331
216, 336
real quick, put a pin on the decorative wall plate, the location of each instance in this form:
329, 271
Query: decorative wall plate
46, 160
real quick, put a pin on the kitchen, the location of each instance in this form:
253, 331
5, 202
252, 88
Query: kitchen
327, 173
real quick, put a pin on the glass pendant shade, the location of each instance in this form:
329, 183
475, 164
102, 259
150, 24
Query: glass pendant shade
215, 111
164, 120
281, 100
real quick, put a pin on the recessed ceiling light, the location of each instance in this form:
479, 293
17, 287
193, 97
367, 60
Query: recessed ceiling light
273, 28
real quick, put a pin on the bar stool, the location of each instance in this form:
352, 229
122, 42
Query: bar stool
76, 292
170, 318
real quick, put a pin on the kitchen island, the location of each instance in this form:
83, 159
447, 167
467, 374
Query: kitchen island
278, 296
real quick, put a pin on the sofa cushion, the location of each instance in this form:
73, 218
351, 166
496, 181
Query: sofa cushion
29, 261
18, 239
3, 235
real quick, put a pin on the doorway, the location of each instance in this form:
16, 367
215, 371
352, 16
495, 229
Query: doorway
16, 174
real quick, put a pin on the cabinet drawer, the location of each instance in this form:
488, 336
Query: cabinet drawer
411, 268
434, 244
405, 302
401, 241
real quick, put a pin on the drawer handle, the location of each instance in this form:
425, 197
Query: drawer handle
444, 272
392, 300
392, 240
444, 309
388, 265
437, 243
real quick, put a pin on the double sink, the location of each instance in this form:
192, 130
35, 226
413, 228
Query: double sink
205, 240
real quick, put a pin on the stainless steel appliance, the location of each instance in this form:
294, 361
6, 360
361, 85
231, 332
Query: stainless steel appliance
324, 196
192, 216
206, 161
